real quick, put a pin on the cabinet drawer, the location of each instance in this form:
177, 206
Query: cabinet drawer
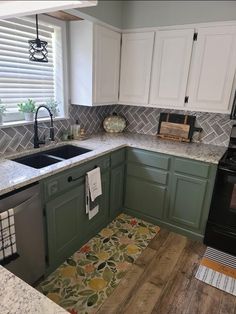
148, 158
117, 157
61, 182
194, 168
147, 173
145, 197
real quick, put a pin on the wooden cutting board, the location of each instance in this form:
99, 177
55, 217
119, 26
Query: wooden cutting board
175, 129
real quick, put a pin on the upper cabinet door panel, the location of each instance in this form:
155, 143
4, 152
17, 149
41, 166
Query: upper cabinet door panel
170, 70
106, 65
136, 60
213, 68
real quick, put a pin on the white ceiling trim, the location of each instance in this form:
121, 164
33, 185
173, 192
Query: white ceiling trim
10, 9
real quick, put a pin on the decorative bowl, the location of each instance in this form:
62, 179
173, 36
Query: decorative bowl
114, 124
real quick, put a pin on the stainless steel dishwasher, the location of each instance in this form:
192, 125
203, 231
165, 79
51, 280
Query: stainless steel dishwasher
30, 265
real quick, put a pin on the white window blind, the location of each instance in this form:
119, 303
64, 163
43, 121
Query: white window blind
21, 79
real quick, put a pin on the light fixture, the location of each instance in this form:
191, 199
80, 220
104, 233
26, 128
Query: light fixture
38, 48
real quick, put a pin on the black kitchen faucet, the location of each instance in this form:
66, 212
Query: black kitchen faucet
37, 141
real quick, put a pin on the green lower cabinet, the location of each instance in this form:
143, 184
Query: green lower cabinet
63, 222
187, 197
117, 190
89, 228
170, 191
68, 225
145, 197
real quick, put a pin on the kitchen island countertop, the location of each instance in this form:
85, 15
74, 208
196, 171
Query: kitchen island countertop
17, 297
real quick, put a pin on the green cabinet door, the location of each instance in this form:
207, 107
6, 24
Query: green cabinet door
68, 225
187, 200
147, 198
63, 216
117, 190
89, 228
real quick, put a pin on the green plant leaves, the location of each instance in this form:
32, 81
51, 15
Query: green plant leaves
27, 106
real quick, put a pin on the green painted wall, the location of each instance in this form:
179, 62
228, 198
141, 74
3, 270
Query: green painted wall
162, 13
109, 12
137, 14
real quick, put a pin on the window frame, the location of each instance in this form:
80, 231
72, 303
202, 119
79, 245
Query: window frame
14, 117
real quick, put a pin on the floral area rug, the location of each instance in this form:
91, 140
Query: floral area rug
83, 282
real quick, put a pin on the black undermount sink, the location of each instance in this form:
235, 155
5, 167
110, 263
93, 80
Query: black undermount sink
37, 161
67, 151
51, 156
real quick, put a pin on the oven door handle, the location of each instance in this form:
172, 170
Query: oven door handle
227, 170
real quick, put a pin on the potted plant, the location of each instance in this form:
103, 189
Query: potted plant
28, 108
52, 104
2, 111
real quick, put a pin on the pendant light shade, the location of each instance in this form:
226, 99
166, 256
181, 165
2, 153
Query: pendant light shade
38, 48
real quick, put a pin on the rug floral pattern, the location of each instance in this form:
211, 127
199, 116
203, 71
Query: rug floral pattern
83, 282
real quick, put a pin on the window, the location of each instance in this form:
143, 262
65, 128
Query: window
21, 79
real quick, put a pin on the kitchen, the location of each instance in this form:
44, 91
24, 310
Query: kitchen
137, 100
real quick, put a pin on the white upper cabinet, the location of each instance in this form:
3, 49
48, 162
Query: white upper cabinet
106, 65
95, 64
171, 60
136, 62
212, 69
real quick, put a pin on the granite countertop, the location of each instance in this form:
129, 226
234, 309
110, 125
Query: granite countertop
15, 175
17, 297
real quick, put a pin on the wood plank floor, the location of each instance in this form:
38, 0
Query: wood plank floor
162, 281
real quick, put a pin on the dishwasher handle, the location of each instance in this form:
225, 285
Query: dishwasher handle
24, 205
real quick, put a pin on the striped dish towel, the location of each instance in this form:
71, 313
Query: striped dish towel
218, 269
8, 250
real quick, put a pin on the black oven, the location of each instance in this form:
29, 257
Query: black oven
221, 225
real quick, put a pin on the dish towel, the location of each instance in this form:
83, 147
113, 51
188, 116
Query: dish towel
93, 189
8, 250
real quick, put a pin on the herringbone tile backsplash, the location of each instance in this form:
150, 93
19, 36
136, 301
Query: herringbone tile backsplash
216, 127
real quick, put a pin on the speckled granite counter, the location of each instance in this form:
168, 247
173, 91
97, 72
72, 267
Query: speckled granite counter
14, 175
17, 297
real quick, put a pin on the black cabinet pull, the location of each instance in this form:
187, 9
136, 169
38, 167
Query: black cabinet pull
71, 179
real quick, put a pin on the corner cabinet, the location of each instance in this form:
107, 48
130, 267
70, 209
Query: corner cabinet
117, 182
147, 177
95, 64
136, 63
170, 191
